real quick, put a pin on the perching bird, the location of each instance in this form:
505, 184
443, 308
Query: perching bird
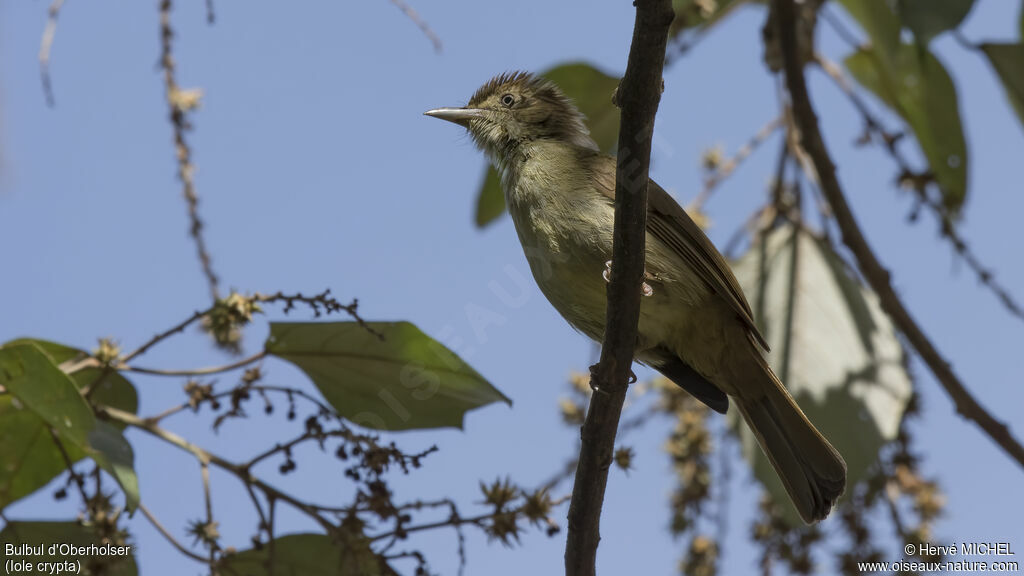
695, 325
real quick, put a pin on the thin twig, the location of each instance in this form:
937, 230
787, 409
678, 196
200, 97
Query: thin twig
726, 168
411, 14
196, 371
204, 468
180, 102
201, 454
44, 49
180, 327
875, 274
638, 96
75, 476
170, 538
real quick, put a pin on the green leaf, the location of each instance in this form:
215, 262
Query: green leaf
115, 390
308, 555
832, 345
30, 458
1008, 60
490, 202
591, 90
929, 18
118, 561
38, 385
915, 84
879, 22
406, 381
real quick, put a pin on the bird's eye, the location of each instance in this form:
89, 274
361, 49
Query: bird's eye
508, 100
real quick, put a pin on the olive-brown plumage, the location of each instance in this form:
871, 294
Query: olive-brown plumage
695, 327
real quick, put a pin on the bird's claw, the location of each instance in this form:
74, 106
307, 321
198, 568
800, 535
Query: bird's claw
594, 378
645, 288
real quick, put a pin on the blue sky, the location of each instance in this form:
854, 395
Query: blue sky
317, 169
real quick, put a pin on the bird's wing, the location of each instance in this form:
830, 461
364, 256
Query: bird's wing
668, 222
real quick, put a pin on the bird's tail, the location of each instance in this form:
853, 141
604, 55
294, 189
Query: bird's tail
812, 471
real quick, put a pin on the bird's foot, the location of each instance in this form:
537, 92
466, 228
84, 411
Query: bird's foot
594, 378
645, 288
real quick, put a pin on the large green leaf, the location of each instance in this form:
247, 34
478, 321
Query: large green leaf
832, 345
1008, 60
29, 456
591, 90
115, 390
119, 562
38, 386
307, 555
404, 381
914, 83
929, 18
879, 22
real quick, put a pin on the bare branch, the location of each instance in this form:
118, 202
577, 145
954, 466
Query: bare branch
638, 96
196, 371
169, 537
44, 49
202, 455
726, 168
875, 274
180, 102
411, 14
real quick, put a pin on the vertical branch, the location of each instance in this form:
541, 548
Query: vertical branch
180, 103
875, 274
44, 49
638, 96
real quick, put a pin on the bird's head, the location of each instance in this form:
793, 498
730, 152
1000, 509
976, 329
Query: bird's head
516, 108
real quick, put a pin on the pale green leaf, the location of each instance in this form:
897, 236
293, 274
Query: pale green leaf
407, 380
914, 83
47, 534
832, 345
39, 386
929, 18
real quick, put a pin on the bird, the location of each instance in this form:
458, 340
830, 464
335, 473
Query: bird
695, 327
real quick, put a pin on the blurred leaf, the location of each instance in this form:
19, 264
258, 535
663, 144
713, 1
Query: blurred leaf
407, 381
308, 555
832, 345
47, 533
591, 90
929, 18
915, 85
1008, 60
700, 13
115, 390
879, 22
38, 385
490, 203
29, 456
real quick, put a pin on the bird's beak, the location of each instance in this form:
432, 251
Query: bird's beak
460, 116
